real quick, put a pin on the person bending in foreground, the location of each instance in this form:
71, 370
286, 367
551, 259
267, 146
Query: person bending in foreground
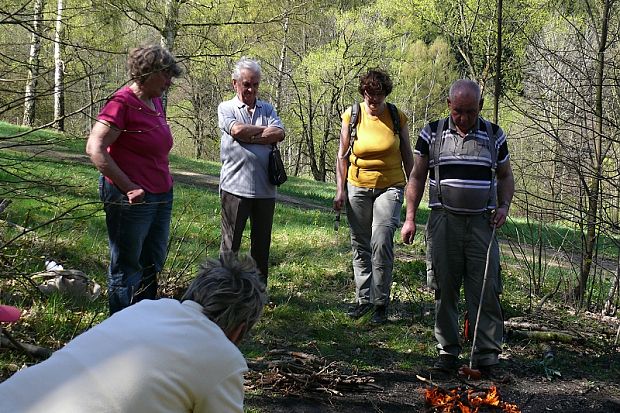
155, 356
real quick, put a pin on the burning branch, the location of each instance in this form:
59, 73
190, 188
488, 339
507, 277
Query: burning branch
466, 401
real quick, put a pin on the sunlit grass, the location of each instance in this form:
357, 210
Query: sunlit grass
310, 282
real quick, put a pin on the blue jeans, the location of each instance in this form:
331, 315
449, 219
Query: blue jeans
373, 215
138, 238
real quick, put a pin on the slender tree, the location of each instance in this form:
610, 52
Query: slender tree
33, 65
59, 70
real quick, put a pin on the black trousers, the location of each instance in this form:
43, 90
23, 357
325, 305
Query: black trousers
235, 212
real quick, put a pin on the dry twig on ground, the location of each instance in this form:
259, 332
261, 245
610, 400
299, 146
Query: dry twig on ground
291, 372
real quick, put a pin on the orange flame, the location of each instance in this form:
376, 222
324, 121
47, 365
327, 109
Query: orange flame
454, 401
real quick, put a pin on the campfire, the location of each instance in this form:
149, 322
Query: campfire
459, 400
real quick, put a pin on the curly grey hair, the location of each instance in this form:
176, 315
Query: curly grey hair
230, 292
145, 60
245, 63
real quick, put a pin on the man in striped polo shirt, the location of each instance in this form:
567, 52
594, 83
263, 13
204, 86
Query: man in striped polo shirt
470, 189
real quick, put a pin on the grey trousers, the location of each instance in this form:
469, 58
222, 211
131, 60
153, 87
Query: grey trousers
235, 213
373, 215
456, 255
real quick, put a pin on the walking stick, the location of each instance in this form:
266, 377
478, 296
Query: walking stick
484, 283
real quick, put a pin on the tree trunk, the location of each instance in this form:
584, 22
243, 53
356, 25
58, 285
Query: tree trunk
498, 64
33, 66
281, 65
169, 34
59, 72
595, 183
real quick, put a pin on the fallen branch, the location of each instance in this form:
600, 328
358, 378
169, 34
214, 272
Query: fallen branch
34, 351
560, 336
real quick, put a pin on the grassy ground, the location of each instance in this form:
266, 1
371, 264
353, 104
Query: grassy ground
56, 214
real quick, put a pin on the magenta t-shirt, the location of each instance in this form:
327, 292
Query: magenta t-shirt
142, 148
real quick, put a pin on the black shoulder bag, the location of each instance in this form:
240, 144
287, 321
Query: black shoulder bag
277, 173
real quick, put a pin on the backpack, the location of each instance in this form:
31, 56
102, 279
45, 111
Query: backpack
435, 150
355, 115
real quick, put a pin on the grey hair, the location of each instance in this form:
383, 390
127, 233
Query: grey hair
230, 292
245, 63
464, 86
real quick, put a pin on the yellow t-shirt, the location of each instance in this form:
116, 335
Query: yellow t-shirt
376, 161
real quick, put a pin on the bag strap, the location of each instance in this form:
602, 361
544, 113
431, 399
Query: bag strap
355, 114
436, 150
395, 118
493, 150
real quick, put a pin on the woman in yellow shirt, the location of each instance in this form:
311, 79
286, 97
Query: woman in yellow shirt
370, 179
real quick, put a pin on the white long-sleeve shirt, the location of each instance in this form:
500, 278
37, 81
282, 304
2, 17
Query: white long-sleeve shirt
156, 356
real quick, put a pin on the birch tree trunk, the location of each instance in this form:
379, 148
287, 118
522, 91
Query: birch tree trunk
281, 64
33, 66
59, 71
169, 33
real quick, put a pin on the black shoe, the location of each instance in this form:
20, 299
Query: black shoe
360, 310
380, 315
495, 373
446, 363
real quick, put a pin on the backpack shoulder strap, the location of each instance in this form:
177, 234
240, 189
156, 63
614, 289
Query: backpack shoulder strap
395, 117
492, 143
355, 115
493, 150
435, 150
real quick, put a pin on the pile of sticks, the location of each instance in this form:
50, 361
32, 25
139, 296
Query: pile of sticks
297, 373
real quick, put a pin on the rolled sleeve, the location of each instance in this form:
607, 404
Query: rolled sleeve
273, 119
226, 117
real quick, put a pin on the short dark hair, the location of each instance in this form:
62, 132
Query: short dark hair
230, 292
465, 86
375, 82
145, 60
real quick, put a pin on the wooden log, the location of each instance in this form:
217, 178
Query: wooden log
560, 336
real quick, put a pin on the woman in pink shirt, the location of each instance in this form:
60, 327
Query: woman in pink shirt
129, 145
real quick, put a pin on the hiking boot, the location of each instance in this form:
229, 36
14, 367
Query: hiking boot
446, 363
495, 374
360, 310
380, 315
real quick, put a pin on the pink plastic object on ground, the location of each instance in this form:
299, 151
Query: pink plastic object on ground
9, 314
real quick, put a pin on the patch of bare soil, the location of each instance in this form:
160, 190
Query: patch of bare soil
578, 373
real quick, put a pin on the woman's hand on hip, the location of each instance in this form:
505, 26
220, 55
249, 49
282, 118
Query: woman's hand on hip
135, 196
